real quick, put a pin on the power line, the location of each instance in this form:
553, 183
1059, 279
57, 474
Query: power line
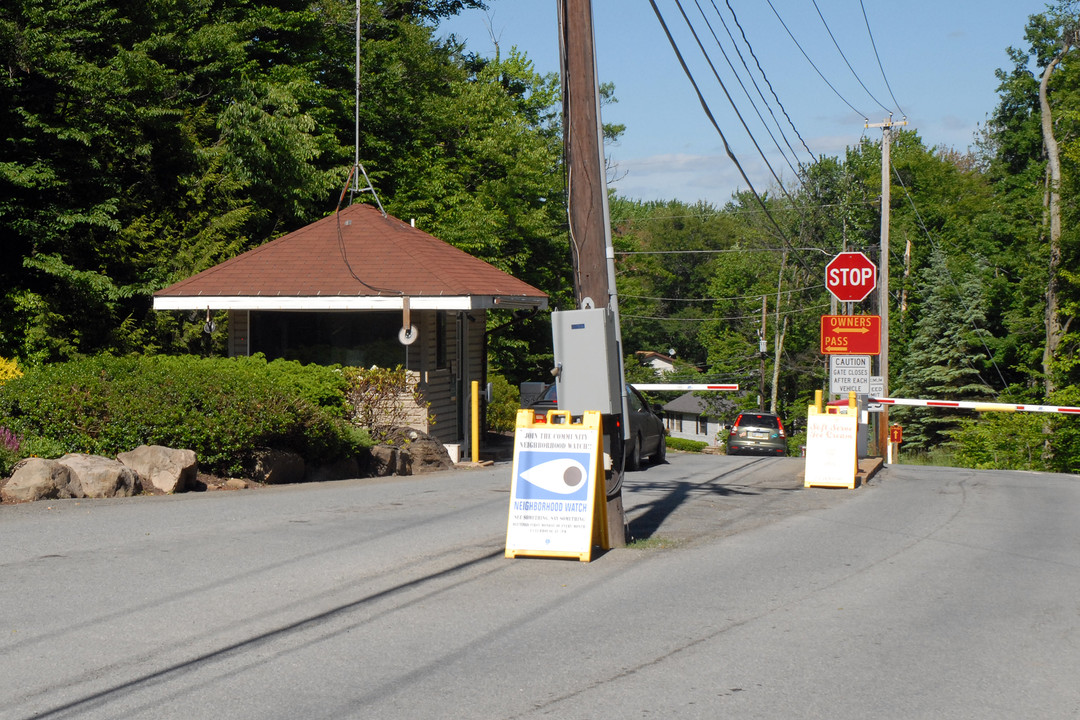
716, 125
859, 79
752, 316
765, 77
878, 57
731, 101
820, 74
747, 92
717, 251
755, 296
738, 211
696, 252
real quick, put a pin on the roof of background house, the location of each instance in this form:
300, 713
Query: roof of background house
355, 259
649, 355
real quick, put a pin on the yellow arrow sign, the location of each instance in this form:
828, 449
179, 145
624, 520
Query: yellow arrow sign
837, 332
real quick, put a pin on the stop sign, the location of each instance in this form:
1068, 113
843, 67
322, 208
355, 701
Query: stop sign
850, 276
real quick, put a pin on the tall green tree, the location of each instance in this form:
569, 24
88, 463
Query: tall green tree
1031, 143
147, 141
946, 358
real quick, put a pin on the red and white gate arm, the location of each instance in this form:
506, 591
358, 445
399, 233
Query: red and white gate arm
654, 387
982, 406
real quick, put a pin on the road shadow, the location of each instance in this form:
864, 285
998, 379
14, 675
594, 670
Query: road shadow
678, 493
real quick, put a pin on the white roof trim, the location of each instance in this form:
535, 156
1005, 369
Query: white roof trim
337, 302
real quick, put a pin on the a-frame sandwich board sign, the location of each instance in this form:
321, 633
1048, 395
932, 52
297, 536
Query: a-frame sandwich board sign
558, 467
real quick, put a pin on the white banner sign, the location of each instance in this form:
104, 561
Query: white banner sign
831, 451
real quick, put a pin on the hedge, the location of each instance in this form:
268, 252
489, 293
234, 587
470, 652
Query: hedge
222, 408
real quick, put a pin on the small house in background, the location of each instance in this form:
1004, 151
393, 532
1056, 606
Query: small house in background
690, 417
659, 362
360, 288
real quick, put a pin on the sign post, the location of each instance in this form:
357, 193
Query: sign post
896, 436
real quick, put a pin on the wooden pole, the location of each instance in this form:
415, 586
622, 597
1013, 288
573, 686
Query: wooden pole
590, 232
585, 179
883, 280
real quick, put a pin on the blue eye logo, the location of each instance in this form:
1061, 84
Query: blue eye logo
563, 478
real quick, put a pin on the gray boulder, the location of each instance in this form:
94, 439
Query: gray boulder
41, 479
426, 454
340, 470
161, 468
386, 460
102, 477
277, 467
409, 452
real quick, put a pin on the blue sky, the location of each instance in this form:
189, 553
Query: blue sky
938, 56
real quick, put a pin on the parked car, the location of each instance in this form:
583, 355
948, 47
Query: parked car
648, 437
757, 433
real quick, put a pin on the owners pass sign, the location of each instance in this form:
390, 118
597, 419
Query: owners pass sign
850, 334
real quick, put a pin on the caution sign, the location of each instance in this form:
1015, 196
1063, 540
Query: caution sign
553, 508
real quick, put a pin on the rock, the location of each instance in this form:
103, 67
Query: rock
102, 477
385, 460
165, 469
278, 467
41, 479
427, 455
409, 452
341, 470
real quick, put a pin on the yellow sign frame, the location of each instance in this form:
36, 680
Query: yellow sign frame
558, 472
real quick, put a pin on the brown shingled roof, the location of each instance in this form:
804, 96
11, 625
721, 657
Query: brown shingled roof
386, 258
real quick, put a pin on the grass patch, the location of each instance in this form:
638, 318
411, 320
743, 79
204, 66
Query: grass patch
653, 543
938, 457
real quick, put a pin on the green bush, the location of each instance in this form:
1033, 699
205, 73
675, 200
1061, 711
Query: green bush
678, 443
320, 385
505, 401
1022, 440
222, 408
382, 400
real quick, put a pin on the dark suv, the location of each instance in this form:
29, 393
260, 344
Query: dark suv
648, 437
758, 433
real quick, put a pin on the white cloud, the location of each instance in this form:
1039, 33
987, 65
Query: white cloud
687, 177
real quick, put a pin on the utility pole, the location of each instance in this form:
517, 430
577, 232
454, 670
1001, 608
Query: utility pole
883, 280
762, 350
590, 228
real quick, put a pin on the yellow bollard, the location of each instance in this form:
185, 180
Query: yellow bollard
475, 457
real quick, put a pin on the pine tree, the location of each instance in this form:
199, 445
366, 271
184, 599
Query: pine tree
946, 358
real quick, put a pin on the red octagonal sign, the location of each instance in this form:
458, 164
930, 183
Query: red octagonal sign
850, 276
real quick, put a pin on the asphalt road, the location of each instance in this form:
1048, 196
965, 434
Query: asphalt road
928, 593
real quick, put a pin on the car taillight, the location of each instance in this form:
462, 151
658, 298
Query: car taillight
780, 423
735, 427
539, 417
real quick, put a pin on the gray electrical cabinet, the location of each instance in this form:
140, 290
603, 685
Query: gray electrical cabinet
587, 359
